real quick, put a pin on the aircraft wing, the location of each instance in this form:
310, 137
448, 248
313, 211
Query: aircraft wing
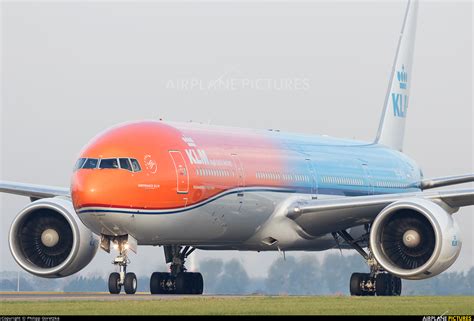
33, 191
319, 217
446, 181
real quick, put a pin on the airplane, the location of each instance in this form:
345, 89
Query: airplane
188, 186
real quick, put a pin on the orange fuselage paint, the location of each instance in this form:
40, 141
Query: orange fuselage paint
179, 166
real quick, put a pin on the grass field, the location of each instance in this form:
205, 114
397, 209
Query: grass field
251, 306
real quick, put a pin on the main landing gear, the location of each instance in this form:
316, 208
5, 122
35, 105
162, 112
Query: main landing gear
382, 284
377, 281
117, 280
178, 280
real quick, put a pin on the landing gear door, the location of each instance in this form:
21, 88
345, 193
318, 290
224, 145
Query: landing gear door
182, 175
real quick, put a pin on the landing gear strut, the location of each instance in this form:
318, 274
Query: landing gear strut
117, 280
178, 280
377, 281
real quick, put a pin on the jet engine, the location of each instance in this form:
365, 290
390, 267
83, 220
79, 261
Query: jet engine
415, 239
47, 239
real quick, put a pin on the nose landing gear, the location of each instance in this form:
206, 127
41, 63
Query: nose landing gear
117, 280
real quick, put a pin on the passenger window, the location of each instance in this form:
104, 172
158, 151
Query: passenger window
125, 164
79, 163
135, 165
108, 163
90, 163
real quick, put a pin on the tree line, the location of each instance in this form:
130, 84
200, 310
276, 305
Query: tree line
304, 275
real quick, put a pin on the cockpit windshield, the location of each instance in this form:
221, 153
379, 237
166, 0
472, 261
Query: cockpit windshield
129, 164
135, 165
109, 163
125, 164
80, 162
90, 163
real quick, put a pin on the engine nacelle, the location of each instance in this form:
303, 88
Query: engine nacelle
415, 239
47, 239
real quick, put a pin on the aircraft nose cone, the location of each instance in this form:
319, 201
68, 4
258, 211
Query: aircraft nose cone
85, 189
101, 188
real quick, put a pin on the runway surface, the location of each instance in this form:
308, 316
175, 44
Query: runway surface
94, 296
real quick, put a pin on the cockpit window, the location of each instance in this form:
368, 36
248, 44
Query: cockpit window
125, 164
135, 165
129, 164
79, 163
90, 163
109, 163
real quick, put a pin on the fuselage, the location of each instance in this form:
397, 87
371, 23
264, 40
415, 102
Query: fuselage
218, 186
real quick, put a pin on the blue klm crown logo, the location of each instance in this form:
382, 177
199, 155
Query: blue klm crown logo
402, 77
399, 100
454, 242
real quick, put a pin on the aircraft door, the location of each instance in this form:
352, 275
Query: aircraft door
182, 175
312, 177
368, 178
239, 170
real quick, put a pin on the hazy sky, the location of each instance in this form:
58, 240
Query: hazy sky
70, 70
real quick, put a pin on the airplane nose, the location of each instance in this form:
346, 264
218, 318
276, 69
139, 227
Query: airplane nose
85, 189
101, 188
